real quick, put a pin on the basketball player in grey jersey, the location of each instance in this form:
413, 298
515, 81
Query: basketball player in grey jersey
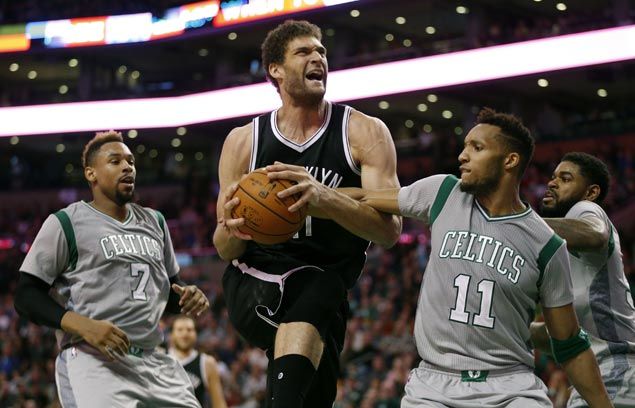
492, 260
602, 298
110, 269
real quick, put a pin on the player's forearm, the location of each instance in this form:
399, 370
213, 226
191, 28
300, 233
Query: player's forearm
585, 376
33, 302
540, 336
228, 246
361, 219
579, 234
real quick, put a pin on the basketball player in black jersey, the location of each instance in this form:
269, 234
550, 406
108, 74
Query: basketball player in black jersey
290, 299
201, 368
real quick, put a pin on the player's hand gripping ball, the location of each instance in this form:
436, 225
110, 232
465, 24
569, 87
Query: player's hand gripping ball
267, 218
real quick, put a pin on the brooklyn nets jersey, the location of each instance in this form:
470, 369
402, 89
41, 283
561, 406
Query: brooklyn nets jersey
194, 365
105, 269
327, 156
483, 280
603, 301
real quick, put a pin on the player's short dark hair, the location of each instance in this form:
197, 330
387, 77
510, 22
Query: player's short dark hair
92, 147
275, 44
182, 317
594, 170
515, 136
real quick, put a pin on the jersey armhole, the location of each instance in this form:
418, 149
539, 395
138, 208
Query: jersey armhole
546, 254
254, 144
345, 141
69, 234
203, 367
611, 241
161, 220
442, 196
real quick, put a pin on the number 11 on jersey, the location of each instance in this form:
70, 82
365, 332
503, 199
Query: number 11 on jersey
308, 231
484, 317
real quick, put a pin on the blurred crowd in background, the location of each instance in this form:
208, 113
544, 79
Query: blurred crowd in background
379, 349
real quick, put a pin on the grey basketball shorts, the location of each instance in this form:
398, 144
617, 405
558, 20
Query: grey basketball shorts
147, 378
430, 387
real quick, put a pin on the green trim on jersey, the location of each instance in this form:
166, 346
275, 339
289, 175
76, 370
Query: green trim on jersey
124, 222
502, 217
67, 227
547, 253
161, 220
442, 196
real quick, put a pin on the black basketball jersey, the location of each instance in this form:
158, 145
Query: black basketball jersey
327, 156
194, 368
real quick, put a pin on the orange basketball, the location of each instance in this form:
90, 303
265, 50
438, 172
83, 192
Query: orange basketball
267, 218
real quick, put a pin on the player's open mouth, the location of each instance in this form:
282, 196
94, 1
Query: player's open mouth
317, 76
128, 180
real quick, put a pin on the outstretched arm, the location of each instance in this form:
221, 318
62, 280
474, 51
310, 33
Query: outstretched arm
582, 233
572, 350
382, 200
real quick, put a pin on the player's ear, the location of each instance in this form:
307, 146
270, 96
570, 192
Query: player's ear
89, 174
592, 192
276, 71
512, 160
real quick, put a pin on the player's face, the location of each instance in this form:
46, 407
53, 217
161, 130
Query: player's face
184, 334
304, 70
481, 160
114, 172
566, 187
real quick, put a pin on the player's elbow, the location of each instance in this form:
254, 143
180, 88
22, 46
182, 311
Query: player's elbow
598, 239
224, 248
392, 233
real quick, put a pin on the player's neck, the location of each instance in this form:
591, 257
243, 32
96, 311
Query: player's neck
110, 208
300, 122
181, 354
502, 202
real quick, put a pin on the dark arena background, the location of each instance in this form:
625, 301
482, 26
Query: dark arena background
175, 78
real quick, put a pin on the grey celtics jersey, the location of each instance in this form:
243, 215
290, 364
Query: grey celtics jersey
603, 301
483, 280
105, 269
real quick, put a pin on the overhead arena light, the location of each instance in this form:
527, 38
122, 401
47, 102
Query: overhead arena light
484, 64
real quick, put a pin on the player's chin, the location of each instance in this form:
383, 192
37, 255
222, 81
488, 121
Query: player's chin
125, 195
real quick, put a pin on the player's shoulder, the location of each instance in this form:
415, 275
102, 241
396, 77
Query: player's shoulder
361, 121
238, 144
585, 207
72, 211
240, 133
541, 232
148, 211
366, 132
436, 180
